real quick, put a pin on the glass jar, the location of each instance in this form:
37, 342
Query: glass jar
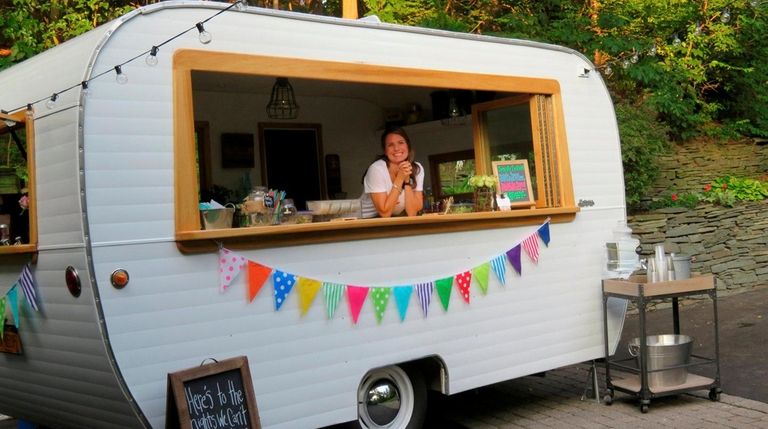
288, 211
255, 207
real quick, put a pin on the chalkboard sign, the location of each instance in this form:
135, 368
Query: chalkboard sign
514, 182
216, 395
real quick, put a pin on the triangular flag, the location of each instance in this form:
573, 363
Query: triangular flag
531, 246
13, 301
257, 276
444, 287
356, 297
480, 273
380, 299
283, 283
27, 283
402, 297
230, 264
307, 289
424, 292
499, 268
2, 316
462, 281
513, 255
544, 233
332, 293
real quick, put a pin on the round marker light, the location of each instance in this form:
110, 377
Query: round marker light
119, 278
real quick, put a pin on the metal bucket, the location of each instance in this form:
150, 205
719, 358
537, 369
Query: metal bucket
665, 351
217, 218
682, 264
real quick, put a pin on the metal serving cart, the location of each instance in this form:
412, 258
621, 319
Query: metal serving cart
635, 374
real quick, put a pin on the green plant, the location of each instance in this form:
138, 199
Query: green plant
723, 191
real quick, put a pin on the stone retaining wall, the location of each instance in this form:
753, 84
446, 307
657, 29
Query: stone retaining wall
729, 242
693, 164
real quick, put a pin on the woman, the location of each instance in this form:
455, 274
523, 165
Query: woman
393, 183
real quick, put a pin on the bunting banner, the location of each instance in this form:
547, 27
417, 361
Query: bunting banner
402, 297
544, 233
231, 263
513, 255
424, 291
308, 290
27, 283
13, 301
480, 273
283, 283
257, 276
531, 247
356, 296
462, 281
380, 299
444, 287
499, 268
332, 293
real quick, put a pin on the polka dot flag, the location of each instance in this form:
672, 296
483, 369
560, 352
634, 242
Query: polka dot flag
380, 298
230, 265
462, 281
283, 283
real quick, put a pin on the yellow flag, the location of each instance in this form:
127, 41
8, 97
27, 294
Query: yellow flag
307, 289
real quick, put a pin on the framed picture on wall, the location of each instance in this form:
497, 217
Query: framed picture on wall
237, 150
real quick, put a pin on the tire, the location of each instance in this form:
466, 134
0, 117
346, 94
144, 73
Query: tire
391, 398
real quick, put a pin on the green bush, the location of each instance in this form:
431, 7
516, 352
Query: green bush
643, 140
723, 191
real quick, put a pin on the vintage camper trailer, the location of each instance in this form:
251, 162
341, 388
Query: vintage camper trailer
128, 280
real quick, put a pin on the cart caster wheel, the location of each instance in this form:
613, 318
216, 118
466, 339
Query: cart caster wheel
714, 395
644, 408
608, 399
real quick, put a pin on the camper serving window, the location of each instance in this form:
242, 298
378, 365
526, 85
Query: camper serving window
17, 202
343, 108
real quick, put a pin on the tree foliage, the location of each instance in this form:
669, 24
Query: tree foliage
695, 67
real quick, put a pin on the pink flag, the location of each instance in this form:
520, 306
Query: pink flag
531, 246
356, 297
230, 265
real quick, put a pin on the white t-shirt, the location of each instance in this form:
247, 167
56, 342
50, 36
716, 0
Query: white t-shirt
377, 180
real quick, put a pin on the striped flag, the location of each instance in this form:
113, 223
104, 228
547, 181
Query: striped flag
332, 293
424, 291
531, 246
499, 268
27, 283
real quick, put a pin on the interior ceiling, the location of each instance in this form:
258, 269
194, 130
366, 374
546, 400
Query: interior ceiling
384, 96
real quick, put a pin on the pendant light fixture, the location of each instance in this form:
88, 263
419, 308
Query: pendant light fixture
282, 103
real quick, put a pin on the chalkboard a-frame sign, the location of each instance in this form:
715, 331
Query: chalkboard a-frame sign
514, 182
215, 395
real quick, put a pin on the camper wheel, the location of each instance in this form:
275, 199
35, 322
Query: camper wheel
390, 398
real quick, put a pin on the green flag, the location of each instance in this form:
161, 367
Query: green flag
444, 287
480, 273
380, 298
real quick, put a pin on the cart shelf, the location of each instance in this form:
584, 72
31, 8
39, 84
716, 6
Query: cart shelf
635, 379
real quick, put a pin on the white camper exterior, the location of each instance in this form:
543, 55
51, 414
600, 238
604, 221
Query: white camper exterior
112, 190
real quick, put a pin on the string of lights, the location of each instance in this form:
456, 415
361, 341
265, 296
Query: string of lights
150, 58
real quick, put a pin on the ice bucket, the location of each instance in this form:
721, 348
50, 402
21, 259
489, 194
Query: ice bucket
217, 218
665, 351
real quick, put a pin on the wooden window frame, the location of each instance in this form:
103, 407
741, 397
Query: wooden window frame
27, 118
191, 238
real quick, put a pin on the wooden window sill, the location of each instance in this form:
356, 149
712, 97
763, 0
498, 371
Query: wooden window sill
17, 249
360, 229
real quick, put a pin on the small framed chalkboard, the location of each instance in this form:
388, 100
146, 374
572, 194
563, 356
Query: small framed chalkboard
215, 395
514, 182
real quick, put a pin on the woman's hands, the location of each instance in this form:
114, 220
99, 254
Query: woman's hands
404, 172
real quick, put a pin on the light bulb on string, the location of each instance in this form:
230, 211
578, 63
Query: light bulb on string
625, 64
241, 5
84, 88
120, 77
652, 51
205, 37
51, 103
151, 59
608, 70
725, 15
697, 31
635, 58
676, 40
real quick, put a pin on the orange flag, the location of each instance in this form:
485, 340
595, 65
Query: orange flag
257, 275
